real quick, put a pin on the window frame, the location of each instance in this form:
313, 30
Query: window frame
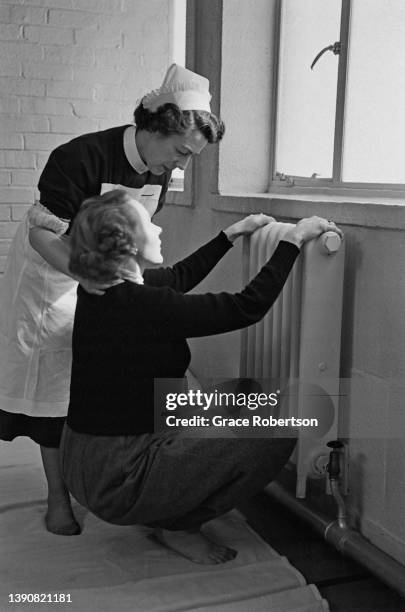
295, 185
180, 191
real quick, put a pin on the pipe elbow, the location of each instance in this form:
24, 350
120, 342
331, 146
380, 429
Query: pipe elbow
337, 533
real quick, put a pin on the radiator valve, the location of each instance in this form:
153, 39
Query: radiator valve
331, 241
334, 459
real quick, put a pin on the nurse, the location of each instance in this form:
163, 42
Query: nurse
38, 297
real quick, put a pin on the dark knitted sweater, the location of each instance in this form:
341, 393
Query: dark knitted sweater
135, 333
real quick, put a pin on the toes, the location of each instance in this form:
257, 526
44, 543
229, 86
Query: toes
61, 521
68, 529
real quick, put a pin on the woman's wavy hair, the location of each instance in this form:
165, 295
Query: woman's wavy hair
102, 237
168, 119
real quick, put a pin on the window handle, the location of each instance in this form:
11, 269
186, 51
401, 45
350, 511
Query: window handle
336, 48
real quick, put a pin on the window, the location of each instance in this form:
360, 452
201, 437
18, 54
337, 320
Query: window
342, 123
178, 56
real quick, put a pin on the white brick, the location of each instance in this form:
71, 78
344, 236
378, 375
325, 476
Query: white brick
5, 213
20, 50
23, 123
61, 4
28, 14
117, 57
16, 194
116, 25
44, 142
5, 177
4, 246
5, 14
10, 68
31, 2
69, 55
108, 122
46, 106
101, 109
42, 158
103, 38
3, 261
18, 211
48, 35
99, 6
24, 87
10, 31
12, 141
17, 159
59, 72
97, 75
75, 19
9, 105
72, 125
25, 177
84, 108
66, 89
125, 92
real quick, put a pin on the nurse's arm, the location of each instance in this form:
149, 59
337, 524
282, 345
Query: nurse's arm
53, 248
56, 251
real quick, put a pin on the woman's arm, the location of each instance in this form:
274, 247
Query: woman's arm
203, 315
188, 273
187, 316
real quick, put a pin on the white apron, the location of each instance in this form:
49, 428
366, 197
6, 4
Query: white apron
37, 306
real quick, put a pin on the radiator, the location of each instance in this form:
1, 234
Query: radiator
299, 339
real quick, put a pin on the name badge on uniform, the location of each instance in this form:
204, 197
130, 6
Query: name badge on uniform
148, 195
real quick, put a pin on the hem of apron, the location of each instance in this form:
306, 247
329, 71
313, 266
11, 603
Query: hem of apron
19, 405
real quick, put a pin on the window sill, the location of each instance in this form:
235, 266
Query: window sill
362, 211
177, 197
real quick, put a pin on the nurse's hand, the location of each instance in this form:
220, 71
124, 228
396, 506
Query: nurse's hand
247, 226
95, 287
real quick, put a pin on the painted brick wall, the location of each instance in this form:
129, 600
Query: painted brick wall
68, 67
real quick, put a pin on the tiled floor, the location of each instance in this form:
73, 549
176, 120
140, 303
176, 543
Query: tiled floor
347, 586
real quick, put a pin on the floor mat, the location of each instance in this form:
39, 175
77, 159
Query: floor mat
112, 568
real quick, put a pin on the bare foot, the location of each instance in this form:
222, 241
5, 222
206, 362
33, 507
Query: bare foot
195, 546
59, 518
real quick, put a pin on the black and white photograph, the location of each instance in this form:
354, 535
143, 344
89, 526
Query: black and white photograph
202, 305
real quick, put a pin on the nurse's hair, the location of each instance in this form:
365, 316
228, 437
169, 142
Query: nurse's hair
102, 237
168, 119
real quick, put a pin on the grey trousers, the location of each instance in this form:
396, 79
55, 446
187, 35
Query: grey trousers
168, 479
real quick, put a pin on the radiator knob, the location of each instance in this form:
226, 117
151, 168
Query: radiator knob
331, 241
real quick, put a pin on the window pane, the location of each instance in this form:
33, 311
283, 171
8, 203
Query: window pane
374, 131
178, 56
307, 98
178, 31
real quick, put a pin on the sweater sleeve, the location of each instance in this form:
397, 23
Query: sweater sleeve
62, 181
190, 316
186, 274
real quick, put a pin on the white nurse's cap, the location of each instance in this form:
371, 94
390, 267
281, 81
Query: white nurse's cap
187, 89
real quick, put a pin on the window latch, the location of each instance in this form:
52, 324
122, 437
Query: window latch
285, 178
336, 48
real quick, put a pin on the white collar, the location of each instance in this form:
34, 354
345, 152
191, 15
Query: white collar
132, 275
131, 150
